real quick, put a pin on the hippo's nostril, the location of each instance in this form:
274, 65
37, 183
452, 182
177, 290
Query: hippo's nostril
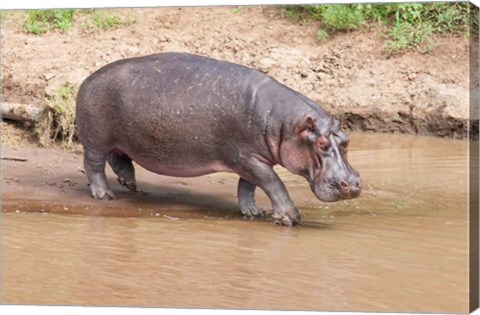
356, 187
343, 184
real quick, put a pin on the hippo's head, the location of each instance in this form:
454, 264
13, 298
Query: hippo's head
317, 150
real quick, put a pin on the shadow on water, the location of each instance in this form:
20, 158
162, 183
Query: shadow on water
161, 195
187, 203
315, 225
151, 200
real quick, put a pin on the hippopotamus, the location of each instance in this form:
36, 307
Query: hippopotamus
184, 115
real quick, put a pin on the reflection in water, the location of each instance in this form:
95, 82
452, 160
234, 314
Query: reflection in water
401, 247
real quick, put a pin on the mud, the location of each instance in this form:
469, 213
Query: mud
181, 242
350, 74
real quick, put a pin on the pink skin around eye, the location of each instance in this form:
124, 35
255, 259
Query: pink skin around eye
323, 143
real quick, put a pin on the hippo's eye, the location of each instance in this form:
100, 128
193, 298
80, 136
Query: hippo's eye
344, 141
323, 143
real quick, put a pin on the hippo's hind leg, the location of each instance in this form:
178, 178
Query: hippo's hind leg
123, 167
246, 199
94, 164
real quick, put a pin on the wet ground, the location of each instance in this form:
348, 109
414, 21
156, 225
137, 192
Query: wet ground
400, 247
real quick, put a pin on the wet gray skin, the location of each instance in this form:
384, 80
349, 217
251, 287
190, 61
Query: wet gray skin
185, 115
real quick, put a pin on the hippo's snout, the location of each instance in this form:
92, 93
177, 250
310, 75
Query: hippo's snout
334, 189
352, 187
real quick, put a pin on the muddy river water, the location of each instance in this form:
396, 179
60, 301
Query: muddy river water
402, 246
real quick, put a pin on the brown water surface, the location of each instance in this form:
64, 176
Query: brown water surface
401, 247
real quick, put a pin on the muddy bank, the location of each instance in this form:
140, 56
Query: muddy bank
349, 75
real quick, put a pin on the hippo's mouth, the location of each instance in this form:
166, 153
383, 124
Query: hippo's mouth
326, 193
330, 190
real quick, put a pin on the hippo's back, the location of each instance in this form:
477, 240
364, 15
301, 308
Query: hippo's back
167, 84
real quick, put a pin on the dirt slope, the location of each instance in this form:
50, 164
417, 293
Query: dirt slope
349, 75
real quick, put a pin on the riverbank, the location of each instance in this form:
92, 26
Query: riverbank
350, 74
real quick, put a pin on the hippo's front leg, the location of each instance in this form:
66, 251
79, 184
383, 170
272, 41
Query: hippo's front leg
262, 175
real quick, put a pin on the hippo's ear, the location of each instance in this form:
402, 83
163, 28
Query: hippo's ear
309, 124
306, 130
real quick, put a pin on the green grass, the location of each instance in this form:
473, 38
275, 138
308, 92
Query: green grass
407, 25
42, 21
237, 10
340, 17
404, 35
322, 35
295, 13
99, 20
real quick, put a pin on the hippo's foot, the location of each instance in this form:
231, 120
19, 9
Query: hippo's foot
251, 211
246, 200
102, 193
131, 185
288, 218
123, 167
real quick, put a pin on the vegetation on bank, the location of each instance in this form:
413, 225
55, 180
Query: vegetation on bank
42, 21
405, 25
59, 121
